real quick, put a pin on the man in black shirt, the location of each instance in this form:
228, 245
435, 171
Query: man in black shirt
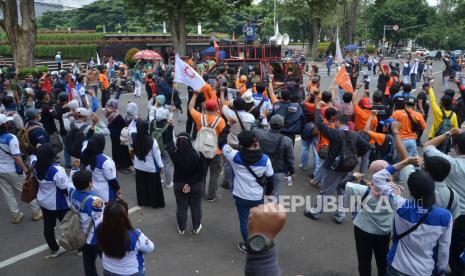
423, 108
383, 108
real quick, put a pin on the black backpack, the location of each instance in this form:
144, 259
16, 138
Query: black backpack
346, 160
74, 140
385, 151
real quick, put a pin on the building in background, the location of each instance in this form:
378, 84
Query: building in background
42, 6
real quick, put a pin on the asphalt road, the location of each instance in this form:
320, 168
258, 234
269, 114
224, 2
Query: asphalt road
305, 247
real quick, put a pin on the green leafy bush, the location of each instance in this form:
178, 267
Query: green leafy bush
371, 49
35, 71
128, 58
82, 52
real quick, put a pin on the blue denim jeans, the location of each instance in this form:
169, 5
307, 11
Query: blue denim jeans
108, 273
304, 155
316, 158
411, 147
243, 207
66, 155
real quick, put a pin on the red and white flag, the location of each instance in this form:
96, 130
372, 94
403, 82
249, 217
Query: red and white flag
183, 73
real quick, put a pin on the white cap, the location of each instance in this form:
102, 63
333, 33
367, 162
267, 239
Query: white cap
4, 119
83, 111
161, 114
73, 105
29, 91
248, 96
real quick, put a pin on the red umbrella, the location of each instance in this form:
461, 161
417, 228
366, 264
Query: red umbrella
147, 54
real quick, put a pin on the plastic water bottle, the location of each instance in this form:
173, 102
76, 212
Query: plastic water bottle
289, 181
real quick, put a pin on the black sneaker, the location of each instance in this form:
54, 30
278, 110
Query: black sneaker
311, 215
242, 247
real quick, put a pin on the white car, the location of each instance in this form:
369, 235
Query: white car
421, 52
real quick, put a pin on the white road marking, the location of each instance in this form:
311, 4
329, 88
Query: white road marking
41, 248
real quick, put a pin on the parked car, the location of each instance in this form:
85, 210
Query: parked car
421, 52
402, 54
457, 53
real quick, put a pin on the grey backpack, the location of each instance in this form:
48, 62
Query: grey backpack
69, 233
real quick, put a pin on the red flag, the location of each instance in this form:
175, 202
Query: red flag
342, 78
217, 52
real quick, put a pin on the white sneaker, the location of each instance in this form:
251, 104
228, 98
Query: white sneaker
57, 253
169, 186
16, 218
197, 231
181, 232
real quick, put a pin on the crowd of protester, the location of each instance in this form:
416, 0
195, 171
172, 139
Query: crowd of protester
240, 135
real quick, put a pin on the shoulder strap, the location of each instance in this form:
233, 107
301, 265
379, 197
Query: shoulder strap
84, 126
203, 120
239, 119
367, 192
444, 116
253, 174
413, 228
451, 199
410, 117
84, 201
216, 122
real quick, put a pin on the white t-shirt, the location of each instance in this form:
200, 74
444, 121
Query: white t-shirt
246, 118
148, 165
245, 185
9, 147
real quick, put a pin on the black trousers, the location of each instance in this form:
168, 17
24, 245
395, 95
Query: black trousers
192, 200
367, 244
89, 255
105, 97
457, 246
50, 221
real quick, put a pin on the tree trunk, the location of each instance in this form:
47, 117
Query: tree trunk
314, 37
21, 32
350, 20
177, 20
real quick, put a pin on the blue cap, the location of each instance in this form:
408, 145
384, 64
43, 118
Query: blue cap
387, 122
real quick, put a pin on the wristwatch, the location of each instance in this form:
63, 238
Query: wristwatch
447, 134
258, 244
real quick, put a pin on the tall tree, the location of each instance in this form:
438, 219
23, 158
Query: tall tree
350, 15
311, 14
180, 13
19, 24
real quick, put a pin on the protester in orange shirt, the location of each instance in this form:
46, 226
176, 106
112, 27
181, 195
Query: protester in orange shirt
104, 86
411, 121
323, 144
362, 111
208, 92
215, 164
241, 82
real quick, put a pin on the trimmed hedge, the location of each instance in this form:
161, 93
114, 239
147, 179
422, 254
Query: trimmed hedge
65, 36
35, 71
82, 52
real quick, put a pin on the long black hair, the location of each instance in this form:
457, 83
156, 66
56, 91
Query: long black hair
95, 146
112, 234
45, 158
142, 141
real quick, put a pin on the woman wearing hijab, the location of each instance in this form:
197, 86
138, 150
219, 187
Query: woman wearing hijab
116, 123
103, 169
148, 164
189, 171
52, 194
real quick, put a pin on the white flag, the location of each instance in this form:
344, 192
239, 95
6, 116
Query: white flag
98, 58
185, 74
339, 59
